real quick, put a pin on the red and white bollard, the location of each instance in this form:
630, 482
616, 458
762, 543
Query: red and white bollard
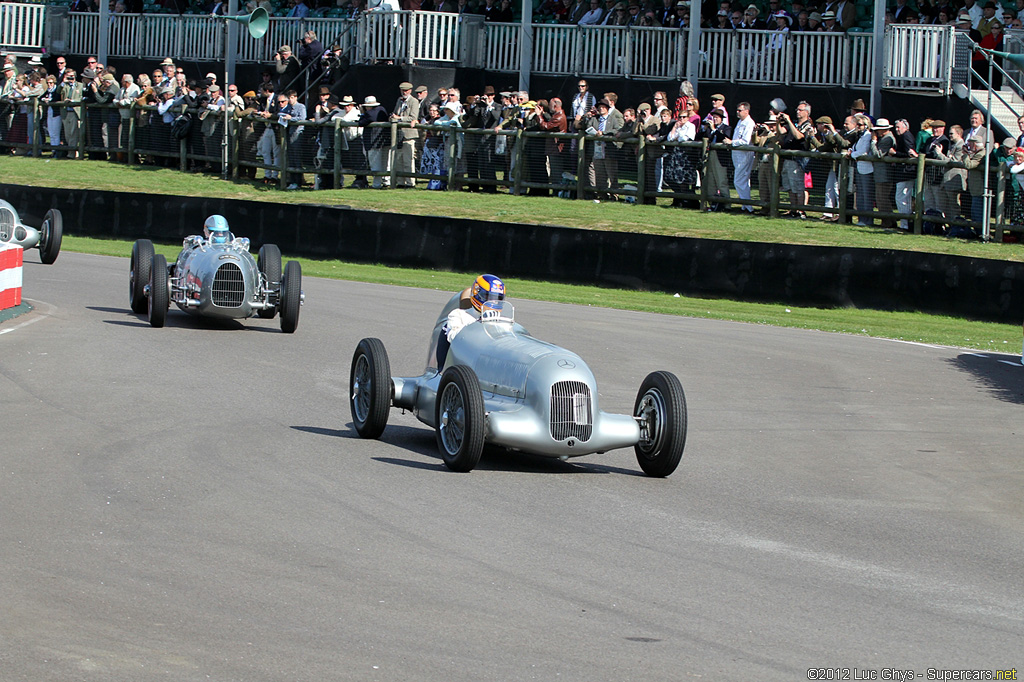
10, 276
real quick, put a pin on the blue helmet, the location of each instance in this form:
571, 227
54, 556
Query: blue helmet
216, 229
487, 288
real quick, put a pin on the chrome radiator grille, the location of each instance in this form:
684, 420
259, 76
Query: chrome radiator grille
6, 223
571, 411
228, 286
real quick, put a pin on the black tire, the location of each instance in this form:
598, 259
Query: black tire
291, 296
370, 388
138, 274
158, 291
52, 234
661, 406
459, 414
269, 263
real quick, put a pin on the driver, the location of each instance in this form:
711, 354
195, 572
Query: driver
216, 231
485, 290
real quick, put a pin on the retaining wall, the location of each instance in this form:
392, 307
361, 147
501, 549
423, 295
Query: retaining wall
798, 275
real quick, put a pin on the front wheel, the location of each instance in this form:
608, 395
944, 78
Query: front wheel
52, 235
158, 291
660, 409
369, 383
138, 274
268, 262
291, 296
459, 414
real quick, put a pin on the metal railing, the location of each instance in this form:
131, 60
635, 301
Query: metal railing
21, 25
572, 165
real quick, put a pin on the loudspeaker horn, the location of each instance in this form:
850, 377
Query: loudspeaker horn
1013, 58
257, 23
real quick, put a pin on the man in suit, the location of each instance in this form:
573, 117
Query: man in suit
882, 144
407, 110
603, 171
71, 92
904, 174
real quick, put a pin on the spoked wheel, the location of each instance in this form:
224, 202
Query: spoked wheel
138, 274
369, 383
158, 291
660, 409
52, 233
269, 263
291, 296
460, 418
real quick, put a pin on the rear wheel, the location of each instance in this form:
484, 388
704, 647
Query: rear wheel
459, 414
52, 234
660, 409
369, 383
269, 263
291, 296
158, 291
138, 274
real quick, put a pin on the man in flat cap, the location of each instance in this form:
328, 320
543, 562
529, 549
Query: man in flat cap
286, 68
937, 147
406, 111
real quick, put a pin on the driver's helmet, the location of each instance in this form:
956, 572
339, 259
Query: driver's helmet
216, 229
487, 288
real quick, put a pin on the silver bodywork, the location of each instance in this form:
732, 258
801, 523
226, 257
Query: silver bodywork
538, 397
219, 280
13, 231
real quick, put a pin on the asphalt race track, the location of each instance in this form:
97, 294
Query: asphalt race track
192, 503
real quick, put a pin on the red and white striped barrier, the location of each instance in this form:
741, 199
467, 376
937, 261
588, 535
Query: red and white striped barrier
10, 276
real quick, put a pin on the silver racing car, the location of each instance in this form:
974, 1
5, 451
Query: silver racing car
215, 276
46, 237
501, 386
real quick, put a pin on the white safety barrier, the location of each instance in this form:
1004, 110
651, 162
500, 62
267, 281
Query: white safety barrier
10, 276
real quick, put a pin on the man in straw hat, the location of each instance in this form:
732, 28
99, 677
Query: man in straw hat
376, 141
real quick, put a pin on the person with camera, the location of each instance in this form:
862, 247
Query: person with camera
828, 140
796, 136
286, 68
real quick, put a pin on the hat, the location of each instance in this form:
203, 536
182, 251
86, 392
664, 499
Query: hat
214, 88
881, 124
249, 93
644, 106
814, 16
167, 62
108, 78
782, 15
87, 73
324, 90
1010, 142
165, 90
825, 16
682, 4
333, 100
989, 5
718, 112
405, 85
505, 93
285, 48
859, 105
754, 9
619, 6
35, 61
717, 96
773, 119
722, 13
979, 137
370, 101
453, 107
827, 120
422, 88
604, 103
936, 123
964, 16
526, 105
10, 67
489, 90
347, 99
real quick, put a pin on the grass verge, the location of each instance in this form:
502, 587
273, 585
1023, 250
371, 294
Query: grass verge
905, 326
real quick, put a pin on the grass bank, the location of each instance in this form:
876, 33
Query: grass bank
917, 327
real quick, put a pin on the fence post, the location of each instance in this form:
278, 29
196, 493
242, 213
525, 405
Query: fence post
641, 169
517, 161
581, 165
391, 155
183, 154
844, 187
450, 144
282, 161
339, 178
705, 153
81, 130
131, 134
919, 195
236, 125
37, 133
1000, 206
773, 181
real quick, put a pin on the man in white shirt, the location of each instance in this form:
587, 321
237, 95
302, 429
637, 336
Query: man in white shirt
593, 15
742, 161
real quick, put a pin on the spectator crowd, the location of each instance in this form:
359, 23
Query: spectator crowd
699, 152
